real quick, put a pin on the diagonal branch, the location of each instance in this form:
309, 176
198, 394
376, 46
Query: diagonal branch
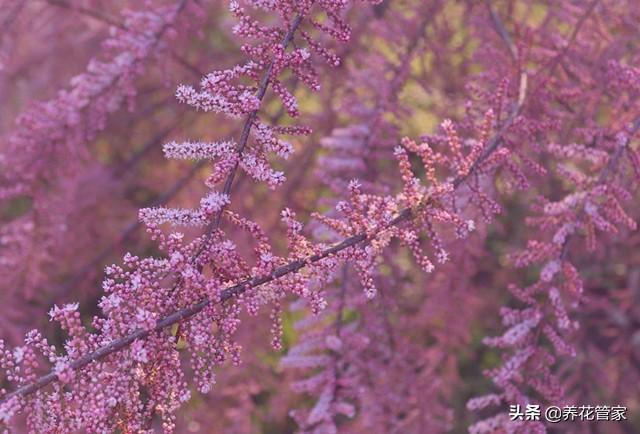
574, 34
214, 225
246, 129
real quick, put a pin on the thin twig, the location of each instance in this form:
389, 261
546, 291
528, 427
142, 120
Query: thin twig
246, 130
502, 31
97, 15
146, 148
214, 225
556, 60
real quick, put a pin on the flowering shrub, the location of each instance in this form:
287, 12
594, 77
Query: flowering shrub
372, 216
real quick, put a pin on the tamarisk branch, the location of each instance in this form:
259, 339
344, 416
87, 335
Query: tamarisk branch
252, 282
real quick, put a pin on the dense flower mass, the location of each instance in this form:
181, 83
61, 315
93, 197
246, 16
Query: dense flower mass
362, 217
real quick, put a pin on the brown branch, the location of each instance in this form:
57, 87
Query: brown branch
146, 148
97, 15
246, 130
502, 31
214, 225
556, 60
253, 282
187, 65
615, 159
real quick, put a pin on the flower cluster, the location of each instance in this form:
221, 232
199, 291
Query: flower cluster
386, 251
